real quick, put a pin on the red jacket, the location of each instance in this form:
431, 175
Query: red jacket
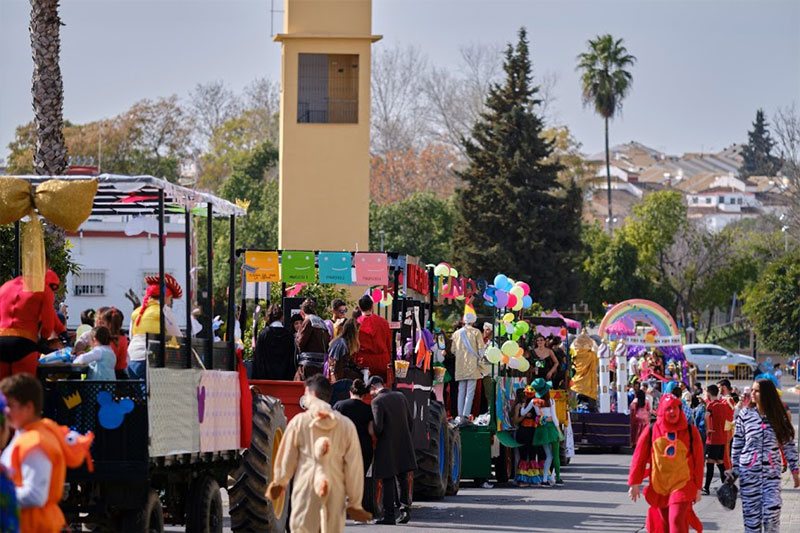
29, 314
375, 339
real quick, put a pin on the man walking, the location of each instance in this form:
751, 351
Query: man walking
394, 453
375, 339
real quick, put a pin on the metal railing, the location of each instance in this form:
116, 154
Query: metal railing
740, 372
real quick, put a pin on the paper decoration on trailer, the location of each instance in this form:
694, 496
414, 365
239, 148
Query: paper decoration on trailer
371, 269
298, 267
111, 414
73, 400
262, 267
335, 267
201, 403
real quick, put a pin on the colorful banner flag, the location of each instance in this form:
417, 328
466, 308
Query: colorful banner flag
335, 267
262, 267
371, 269
298, 267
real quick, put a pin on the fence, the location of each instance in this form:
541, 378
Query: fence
741, 372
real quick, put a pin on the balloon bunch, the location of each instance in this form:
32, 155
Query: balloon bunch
508, 293
510, 329
382, 296
510, 353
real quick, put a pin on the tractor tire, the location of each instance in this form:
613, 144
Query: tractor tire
205, 507
250, 510
454, 477
430, 479
148, 519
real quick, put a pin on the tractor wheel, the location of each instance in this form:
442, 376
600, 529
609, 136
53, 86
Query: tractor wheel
454, 479
430, 479
205, 507
148, 519
250, 510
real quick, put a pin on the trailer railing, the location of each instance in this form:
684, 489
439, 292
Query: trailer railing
740, 372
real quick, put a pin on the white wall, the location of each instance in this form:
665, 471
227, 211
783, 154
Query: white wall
124, 260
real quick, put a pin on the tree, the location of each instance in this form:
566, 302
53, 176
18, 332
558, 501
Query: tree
605, 82
512, 202
50, 157
757, 157
787, 131
654, 226
396, 175
211, 105
567, 151
421, 225
773, 304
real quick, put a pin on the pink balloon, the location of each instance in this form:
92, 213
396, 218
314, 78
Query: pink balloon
526, 289
377, 295
512, 300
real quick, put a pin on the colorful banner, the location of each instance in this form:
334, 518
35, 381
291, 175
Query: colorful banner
262, 267
298, 267
335, 267
371, 269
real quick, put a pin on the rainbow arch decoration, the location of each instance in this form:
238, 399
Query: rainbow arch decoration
642, 311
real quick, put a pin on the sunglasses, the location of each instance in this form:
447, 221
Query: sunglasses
341, 310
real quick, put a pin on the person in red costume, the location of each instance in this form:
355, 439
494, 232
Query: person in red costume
25, 317
674, 453
375, 339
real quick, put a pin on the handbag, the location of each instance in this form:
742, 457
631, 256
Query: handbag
728, 493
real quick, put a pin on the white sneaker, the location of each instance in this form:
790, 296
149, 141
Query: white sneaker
487, 485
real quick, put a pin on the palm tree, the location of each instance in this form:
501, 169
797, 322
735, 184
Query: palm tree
605, 83
48, 90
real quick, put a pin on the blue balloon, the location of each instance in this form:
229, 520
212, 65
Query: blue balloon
527, 301
500, 281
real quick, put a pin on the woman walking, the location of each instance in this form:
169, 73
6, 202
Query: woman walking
640, 415
341, 363
357, 410
547, 433
763, 434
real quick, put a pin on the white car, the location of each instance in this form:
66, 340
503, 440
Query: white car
716, 359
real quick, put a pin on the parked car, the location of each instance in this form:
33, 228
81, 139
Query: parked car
716, 359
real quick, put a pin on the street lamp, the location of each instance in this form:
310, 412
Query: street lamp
785, 230
611, 221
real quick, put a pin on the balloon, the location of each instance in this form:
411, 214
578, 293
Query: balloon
526, 289
493, 355
377, 295
508, 317
453, 273
512, 300
514, 363
502, 328
518, 305
504, 359
520, 353
442, 269
523, 326
524, 364
515, 336
501, 299
527, 301
510, 348
517, 291
460, 297
500, 281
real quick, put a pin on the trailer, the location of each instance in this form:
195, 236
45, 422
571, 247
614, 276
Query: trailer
163, 446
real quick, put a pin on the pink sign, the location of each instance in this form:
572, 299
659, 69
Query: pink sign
371, 269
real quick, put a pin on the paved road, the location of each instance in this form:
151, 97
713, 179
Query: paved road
594, 499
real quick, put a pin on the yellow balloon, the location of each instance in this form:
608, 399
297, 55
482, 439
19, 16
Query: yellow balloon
508, 317
517, 291
510, 348
524, 365
442, 269
494, 355
453, 273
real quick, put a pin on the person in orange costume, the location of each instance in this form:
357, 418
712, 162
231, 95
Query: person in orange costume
375, 339
674, 452
24, 318
39, 455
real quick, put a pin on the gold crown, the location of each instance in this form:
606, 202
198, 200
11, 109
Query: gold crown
243, 204
72, 400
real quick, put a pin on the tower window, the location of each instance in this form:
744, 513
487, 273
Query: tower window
327, 88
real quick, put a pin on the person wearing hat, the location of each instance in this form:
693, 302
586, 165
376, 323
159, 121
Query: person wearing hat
547, 434
394, 450
468, 347
147, 319
25, 317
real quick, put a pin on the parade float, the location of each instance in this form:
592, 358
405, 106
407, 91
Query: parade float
632, 332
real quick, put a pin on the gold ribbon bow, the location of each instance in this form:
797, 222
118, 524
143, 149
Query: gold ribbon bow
66, 204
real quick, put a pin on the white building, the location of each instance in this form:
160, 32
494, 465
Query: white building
115, 254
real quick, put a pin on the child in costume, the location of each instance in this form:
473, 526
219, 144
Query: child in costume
9, 510
147, 319
547, 433
101, 358
674, 453
39, 455
321, 450
524, 417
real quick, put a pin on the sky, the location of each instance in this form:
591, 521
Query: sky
704, 66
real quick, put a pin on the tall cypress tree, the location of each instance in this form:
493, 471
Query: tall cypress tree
758, 161
515, 217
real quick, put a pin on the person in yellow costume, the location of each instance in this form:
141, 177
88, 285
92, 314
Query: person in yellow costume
584, 382
147, 319
321, 450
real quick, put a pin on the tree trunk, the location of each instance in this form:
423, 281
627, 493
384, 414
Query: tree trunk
608, 183
50, 157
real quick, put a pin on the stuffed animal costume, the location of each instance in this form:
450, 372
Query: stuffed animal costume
670, 453
63, 448
321, 451
757, 461
585, 360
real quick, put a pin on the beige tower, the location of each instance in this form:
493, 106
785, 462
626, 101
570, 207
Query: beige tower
324, 135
